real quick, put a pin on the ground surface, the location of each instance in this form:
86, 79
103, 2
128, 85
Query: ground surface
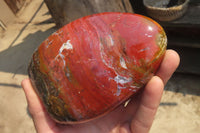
179, 111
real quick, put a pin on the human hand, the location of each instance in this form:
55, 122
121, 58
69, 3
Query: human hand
136, 117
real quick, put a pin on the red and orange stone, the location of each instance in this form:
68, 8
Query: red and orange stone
93, 64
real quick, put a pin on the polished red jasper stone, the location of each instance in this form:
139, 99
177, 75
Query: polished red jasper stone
93, 64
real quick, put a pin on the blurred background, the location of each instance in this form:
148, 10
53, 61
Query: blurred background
24, 24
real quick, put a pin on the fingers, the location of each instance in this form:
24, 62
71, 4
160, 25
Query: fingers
152, 93
41, 120
168, 65
150, 101
34, 104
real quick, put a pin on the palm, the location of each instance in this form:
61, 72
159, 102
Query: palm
136, 117
112, 122
119, 119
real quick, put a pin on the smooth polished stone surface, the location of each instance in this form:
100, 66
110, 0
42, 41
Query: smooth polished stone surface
93, 64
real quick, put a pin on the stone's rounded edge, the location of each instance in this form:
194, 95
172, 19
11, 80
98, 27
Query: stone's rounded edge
49, 101
39, 83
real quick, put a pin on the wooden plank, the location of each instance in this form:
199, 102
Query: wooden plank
190, 59
183, 36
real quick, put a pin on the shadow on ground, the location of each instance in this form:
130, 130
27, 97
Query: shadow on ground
15, 59
184, 83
